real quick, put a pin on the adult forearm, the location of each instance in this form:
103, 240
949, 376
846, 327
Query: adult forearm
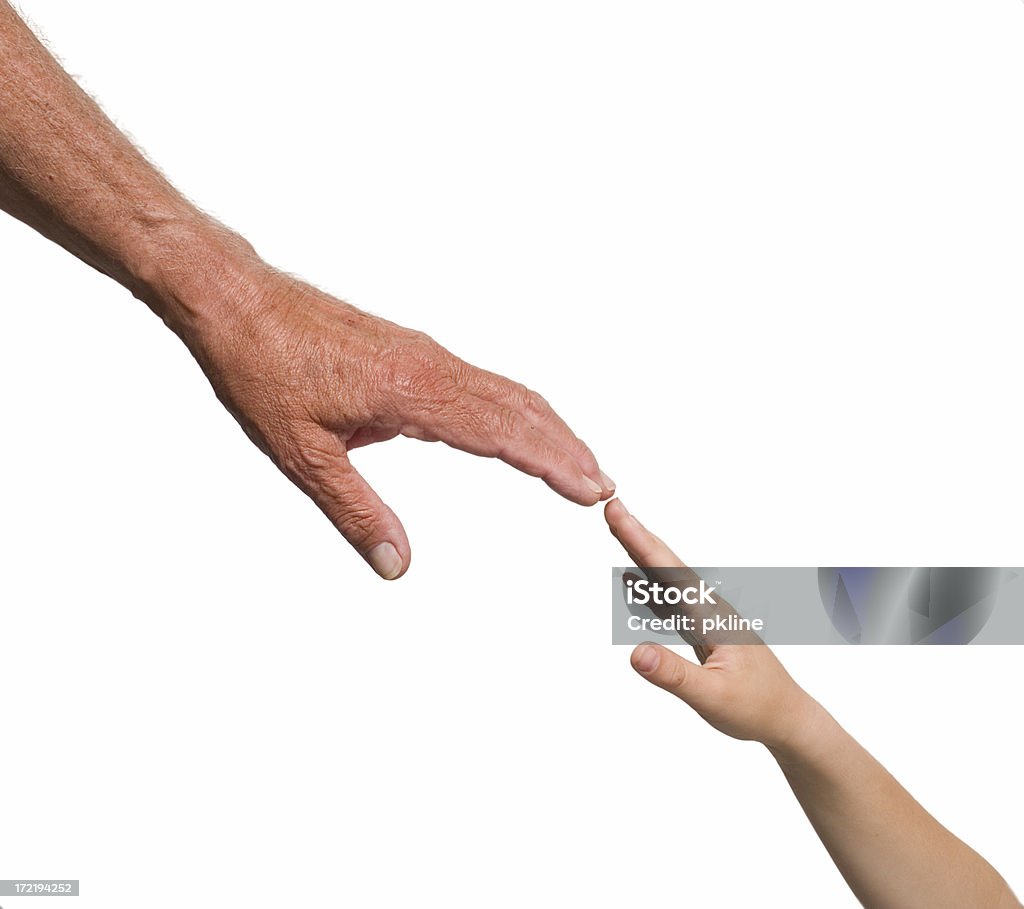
66, 170
308, 377
892, 853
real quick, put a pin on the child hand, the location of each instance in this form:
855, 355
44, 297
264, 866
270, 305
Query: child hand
741, 689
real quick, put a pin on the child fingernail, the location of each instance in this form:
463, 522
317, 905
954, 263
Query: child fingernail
645, 658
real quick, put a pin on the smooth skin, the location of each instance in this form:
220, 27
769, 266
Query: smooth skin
892, 853
308, 377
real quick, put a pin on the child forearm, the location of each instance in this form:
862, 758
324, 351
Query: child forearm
892, 853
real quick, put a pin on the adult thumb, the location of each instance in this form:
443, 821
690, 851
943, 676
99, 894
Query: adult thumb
356, 510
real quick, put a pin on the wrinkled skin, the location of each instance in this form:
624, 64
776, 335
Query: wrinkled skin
310, 378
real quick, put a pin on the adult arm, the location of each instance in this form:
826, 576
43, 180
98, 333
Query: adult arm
308, 377
892, 853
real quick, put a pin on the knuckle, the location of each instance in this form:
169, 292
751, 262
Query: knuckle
413, 336
538, 400
305, 460
355, 523
524, 399
676, 677
420, 370
507, 423
315, 458
534, 403
515, 393
404, 373
459, 371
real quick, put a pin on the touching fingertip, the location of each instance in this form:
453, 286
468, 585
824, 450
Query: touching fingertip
385, 560
626, 517
612, 510
645, 659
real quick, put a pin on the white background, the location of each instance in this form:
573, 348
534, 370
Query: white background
765, 257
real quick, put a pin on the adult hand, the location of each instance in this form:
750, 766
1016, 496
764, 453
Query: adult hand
740, 689
310, 378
